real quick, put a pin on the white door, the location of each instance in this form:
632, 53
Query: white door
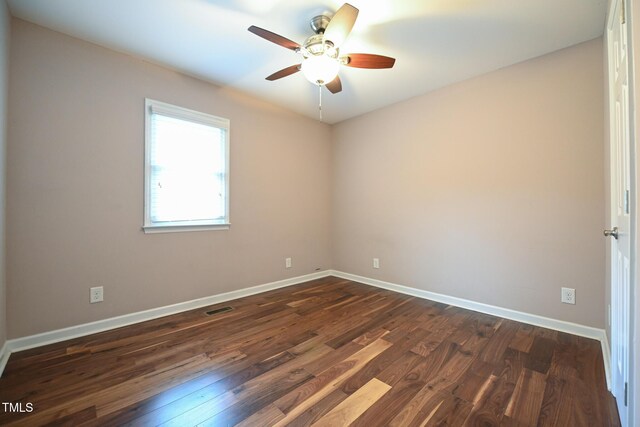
620, 206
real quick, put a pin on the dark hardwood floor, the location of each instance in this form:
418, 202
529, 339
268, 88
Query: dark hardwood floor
329, 352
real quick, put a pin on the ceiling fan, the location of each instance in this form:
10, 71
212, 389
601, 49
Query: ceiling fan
321, 52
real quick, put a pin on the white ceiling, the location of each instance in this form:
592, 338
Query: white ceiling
435, 42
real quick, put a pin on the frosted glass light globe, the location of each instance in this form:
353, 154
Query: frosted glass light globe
320, 69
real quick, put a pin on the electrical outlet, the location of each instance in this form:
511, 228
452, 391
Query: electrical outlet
287, 262
568, 296
376, 263
96, 294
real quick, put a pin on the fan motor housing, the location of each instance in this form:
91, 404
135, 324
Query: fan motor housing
318, 45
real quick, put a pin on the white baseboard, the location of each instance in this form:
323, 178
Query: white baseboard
4, 356
37, 340
519, 316
51, 337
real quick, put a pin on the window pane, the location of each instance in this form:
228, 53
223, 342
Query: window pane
187, 181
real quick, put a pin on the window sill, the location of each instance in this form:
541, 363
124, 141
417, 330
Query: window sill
151, 229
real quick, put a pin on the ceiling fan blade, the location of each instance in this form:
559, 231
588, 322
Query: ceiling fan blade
284, 72
341, 24
367, 60
334, 85
274, 38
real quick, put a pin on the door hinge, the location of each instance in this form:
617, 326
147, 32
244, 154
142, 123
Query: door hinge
623, 13
626, 393
627, 209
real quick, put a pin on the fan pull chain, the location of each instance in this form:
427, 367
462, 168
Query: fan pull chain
320, 101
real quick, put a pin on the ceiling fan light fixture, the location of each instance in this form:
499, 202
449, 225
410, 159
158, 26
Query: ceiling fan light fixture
320, 53
320, 69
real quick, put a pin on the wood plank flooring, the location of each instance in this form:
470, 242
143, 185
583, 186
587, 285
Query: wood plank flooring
330, 352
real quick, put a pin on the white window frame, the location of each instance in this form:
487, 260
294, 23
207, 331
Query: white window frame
152, 106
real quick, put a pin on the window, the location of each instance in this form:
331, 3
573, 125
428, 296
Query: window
186, 169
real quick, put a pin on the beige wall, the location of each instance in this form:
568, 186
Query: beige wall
4, 65
490, 190
75, 188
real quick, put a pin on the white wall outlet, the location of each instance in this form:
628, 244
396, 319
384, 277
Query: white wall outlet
376, 263
96, 294
287, 262
568, 296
